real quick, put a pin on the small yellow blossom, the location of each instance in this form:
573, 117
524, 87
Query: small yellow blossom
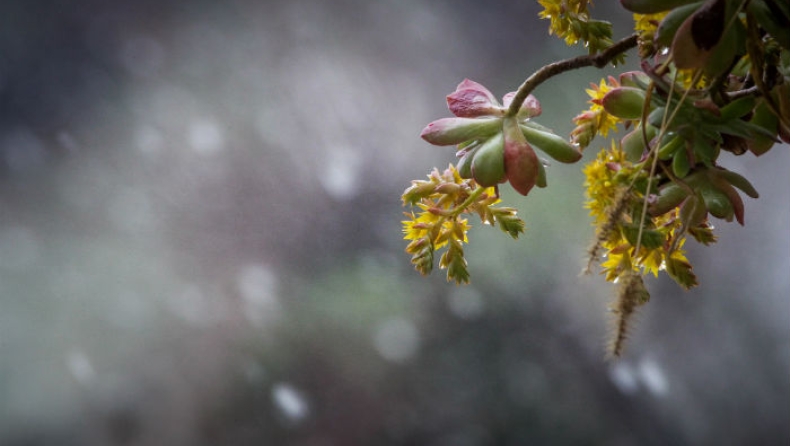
600, 183
647, 24
595, 120
605, 121
608, 181
571, 21
438, 224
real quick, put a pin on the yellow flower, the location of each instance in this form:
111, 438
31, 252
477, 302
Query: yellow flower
595, 120
438, 223
604, 121
601, 187
418, 227
570, 20
653, 261
613, 265
647, 24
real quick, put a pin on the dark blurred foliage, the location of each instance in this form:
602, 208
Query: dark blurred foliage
200, 244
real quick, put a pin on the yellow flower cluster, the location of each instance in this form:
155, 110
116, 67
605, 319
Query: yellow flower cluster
563, 15
599, 182
595, 120
441, 201
570, 20
646, 26
615, 197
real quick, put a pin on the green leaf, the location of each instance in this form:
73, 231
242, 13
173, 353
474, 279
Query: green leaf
738, 181
703, 234
651, 239
705, 151
453, 260
681, 272
738, 108
680, 164
672, 21
508, 221
423, 260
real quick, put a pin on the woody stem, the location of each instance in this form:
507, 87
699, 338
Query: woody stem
548, 71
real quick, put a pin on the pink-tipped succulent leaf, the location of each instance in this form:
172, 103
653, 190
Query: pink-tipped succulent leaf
471, 100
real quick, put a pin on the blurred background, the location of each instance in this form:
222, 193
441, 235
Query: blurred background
200, 244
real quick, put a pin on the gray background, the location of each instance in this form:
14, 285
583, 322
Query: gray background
200, 244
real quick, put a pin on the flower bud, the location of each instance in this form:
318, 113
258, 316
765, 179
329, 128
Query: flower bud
450, 131
624, 102
448, 188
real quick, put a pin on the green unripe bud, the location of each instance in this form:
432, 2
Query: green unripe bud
624, 102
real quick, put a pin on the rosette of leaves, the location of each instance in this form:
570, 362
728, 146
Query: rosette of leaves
493, 146
687, 134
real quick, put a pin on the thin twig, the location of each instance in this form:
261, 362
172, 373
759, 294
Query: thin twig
594, 60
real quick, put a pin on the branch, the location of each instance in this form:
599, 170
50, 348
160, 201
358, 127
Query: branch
751, 91
597, 60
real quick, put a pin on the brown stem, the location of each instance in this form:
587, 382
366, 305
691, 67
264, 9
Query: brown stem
595, 60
